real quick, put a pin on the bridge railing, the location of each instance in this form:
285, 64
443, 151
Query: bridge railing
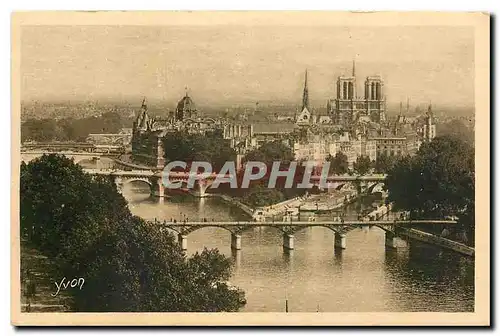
308, 223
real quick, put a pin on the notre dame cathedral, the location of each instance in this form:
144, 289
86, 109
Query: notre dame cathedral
348, 108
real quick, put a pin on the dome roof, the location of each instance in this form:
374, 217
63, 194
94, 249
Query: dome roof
186, 104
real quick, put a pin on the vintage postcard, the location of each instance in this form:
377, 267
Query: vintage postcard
250, 168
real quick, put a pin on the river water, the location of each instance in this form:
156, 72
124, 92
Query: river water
365, 277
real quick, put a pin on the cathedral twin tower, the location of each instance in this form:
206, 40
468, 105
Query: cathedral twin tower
348, 108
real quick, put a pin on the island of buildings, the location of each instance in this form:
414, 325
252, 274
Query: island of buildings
352, 124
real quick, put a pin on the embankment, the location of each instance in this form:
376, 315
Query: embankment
430, 238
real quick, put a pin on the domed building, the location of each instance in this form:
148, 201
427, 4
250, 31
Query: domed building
186, 109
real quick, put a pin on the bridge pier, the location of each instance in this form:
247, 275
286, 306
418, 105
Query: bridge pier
235, 241
158, 189
182, 239
201, 191
236, 255
288, 241
119, 184
392, 240
340, 241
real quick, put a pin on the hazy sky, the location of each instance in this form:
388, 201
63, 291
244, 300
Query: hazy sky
233, 64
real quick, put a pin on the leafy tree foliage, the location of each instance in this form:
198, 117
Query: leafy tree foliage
437, 182
127, 264
456, 128
384, 163
39, 130
271, 152
362, 165
260, 195
70, 129
210, 148
338, 163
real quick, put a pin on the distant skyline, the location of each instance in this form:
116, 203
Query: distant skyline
226, 65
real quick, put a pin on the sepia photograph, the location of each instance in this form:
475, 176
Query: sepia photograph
289, 168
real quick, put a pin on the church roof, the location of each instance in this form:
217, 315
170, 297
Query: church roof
270, 127
186, 104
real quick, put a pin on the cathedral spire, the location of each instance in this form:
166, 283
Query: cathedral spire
142, 114
144, 121
305, 95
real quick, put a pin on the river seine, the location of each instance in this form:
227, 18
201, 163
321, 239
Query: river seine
365, 277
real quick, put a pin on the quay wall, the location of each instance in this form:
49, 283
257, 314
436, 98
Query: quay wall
245, 208
281, 207
436, 240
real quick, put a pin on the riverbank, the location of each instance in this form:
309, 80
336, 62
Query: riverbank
293, 206
384, 211
328, 202
281, 208
263, 212
433, 239
232, 201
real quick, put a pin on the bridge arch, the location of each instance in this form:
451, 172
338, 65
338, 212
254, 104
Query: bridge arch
344, 186
376, 187
196, 228
277, 227
127, 182
336, 229
137, 179
209, 120
78, 159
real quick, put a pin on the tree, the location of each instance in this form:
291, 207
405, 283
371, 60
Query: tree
456, 128
437, 182
271, 152
384, 163
127, 264
71, 129
210, 147
362, 165
338, 163
259, 195
42, 130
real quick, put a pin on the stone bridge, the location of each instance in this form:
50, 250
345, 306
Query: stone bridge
289, 228
154, 179
77, 157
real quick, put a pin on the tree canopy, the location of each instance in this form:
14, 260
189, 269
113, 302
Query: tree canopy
338, 163
70, 129
384, 163
456, 128
260, 195
437, 182
210, 148
271, 152
127, 263
362, 164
